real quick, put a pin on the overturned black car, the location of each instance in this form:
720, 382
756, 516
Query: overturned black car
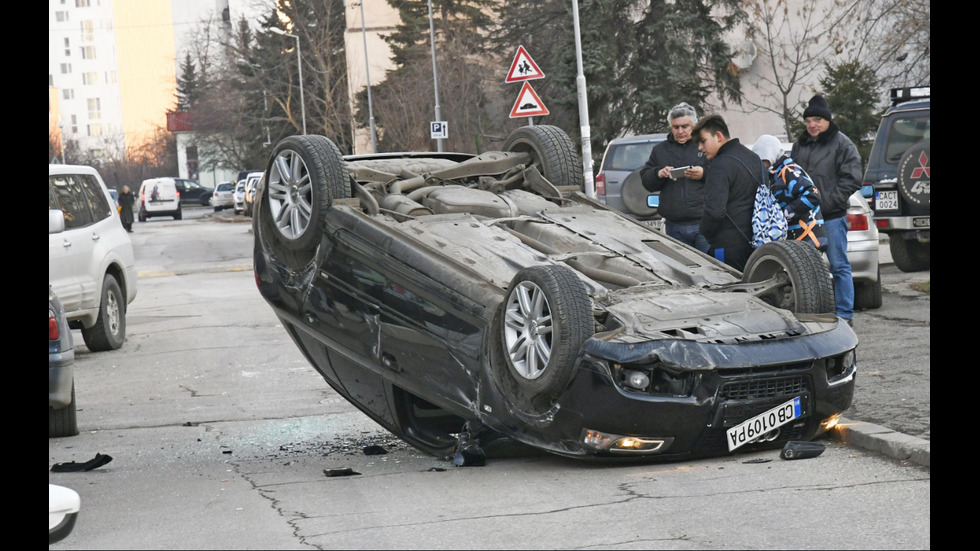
458, 297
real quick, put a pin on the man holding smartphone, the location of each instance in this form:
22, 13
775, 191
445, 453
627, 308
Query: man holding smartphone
681, 195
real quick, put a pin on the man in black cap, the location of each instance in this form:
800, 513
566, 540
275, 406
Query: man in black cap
833, 162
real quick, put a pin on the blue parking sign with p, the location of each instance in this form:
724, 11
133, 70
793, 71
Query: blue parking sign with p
439, 129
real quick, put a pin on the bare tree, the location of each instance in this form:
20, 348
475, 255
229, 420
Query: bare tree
797, 38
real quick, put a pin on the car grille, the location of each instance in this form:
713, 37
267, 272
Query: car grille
762, 388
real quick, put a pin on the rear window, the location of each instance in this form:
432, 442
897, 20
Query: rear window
906, 131
627, 156
226, 187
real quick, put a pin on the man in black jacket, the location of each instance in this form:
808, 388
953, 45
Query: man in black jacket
730, 184
833, 162
681, 200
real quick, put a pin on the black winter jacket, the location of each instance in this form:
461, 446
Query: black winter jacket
729, 198
681, 200
834, 164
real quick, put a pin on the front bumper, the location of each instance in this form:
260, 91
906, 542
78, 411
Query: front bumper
692, 417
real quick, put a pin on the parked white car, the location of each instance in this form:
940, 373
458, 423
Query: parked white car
223, 196
91, 266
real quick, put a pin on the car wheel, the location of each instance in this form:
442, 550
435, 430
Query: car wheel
63, 421
913, 178
305, 174
552, 153
179, 215
424, 425
806, 286
867, 294
142, 215
545, 319
109, 330
909, 254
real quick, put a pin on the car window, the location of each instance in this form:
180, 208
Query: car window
65, 192
225, 187
97, 202
628, 157
906, 131
190, 184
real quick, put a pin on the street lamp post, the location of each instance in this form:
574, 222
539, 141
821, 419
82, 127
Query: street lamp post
367, 73
299, 62
583, 109
435, 76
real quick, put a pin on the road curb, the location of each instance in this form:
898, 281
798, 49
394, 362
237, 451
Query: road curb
884, 440
232, 218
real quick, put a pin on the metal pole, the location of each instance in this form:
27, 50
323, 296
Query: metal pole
583, 109
299, 61
435, 74
367, 72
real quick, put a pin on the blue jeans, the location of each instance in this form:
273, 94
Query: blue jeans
840, 267
688, 233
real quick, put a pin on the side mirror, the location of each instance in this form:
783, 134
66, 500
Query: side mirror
56, 221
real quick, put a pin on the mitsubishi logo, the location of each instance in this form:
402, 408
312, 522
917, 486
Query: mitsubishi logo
923, 168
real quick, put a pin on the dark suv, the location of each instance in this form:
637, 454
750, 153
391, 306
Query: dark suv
899, 176
193, 192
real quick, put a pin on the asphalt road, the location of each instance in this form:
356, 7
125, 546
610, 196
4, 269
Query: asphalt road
221, 436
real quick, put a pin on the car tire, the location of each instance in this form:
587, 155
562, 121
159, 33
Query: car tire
867, 294
304, 176
544, 321
807, 286
179, 215
552, 153
909, 255
109, 330
63, 422
142, 215
913, 179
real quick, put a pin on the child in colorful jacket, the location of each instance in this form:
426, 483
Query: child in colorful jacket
795, 191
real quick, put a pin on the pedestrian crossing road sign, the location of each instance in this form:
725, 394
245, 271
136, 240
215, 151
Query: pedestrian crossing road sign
523, 67
528, 104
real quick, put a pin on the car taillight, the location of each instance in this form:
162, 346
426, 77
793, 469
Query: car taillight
857, 222
53, 332
600, 184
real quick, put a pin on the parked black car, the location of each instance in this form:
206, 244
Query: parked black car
458, 298
193, 192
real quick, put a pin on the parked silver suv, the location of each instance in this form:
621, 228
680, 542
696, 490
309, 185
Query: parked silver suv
91, 265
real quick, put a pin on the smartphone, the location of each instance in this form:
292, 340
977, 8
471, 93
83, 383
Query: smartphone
679, 171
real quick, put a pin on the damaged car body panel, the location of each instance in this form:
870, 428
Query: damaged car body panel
486, 296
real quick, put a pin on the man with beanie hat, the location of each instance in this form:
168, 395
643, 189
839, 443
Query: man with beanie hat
833, 162
681, 200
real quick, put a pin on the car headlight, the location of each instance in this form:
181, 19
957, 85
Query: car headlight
841, 368
617, 443
654, 379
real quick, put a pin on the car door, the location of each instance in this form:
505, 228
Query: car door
70, 250
395, 321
